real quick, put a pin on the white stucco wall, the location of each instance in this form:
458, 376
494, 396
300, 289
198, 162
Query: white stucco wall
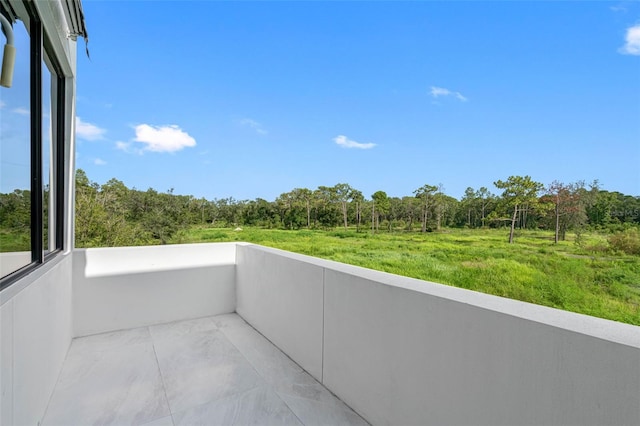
35, 334
446, 356
405, 351
280, 294
126, 287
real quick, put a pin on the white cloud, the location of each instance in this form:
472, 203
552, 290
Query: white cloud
99, 162
88, 131
632, 41
21, 111
441, 91
124, 146
163, 138
254, 125
2, 104
345, 142
619, 8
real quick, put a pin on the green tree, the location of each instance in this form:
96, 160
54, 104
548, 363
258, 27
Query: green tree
327, 211
343, 193
291, 210
627, 208
441, 204
90, 216
15, 220
379, 206
162, 217
357, 199
260, 212
394, 214
304, 196
518, 193
425, 193
229, 210
446, 209
568, 207
485, 198
469, 205
410, 210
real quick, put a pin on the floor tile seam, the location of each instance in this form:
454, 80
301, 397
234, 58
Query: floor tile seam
120, 330
230, 396
253, 365
268, 383
154, 420
81, 353
287, 405
194, 366
63, 392
263, 381
55, 386
301, 369
81, 339
337, 402
244, 356
209, 318
164, 386
196, 335
184, 334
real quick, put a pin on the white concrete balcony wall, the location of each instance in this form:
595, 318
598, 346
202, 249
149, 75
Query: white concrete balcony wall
281, 295
405, 351
35, 334
126, 287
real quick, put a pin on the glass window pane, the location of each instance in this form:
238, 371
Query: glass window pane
48, 236
15, 160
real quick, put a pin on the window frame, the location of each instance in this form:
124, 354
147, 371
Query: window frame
57, 151
39, 45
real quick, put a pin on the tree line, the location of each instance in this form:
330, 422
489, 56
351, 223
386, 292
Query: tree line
112, 214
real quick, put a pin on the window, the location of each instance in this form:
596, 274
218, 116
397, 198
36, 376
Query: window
31, 153
46, 156
15, 158
52, 157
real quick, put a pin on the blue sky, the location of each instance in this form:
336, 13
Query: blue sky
253, 99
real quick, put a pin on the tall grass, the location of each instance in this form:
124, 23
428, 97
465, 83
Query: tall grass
15, 241
580, 278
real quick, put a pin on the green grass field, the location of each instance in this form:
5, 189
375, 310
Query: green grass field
587, 279
14, 241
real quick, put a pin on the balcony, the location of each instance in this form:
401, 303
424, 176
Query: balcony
238, 333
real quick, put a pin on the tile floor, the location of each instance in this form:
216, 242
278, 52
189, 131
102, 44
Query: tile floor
209, 371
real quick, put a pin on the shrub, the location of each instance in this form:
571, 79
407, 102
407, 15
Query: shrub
627, 241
